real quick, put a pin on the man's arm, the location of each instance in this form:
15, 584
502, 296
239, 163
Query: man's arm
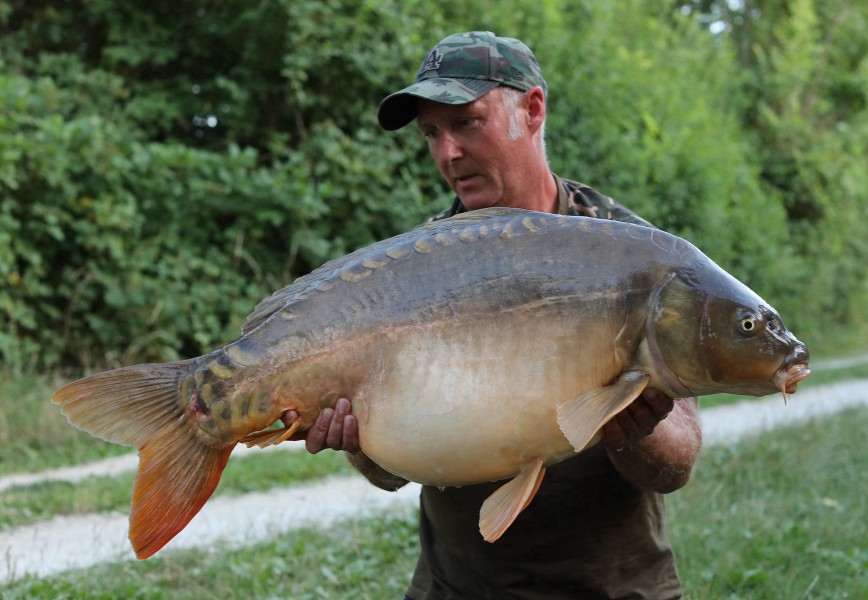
655, 441
338, 429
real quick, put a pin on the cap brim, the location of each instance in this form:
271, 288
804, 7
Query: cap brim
398, 109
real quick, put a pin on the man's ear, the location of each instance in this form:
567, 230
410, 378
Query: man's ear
536, 108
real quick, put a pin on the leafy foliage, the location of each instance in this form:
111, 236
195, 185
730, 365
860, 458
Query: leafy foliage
804, 94
163, 167
136, 224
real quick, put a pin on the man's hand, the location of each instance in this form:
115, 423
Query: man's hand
335, 428
638, 420
655, 441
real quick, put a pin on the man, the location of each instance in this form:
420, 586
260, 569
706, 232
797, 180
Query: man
596, 527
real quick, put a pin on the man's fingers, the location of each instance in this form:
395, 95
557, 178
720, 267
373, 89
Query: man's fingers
659, 403
335, 435
334, 428
351, 434
612, 433
639, 419
316, 436
344, 431
288, 417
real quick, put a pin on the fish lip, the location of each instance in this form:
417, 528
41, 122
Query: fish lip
787, 378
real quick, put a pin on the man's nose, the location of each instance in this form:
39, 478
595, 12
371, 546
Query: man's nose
448, 149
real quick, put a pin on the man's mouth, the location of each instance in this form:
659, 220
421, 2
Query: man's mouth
464, 179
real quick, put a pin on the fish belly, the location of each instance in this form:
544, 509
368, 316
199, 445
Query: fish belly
459, 403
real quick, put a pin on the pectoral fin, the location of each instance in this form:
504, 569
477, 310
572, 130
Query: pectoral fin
581, 418
502, 507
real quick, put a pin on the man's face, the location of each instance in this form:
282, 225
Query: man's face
471, 146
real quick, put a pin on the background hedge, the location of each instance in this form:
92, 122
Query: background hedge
165, 165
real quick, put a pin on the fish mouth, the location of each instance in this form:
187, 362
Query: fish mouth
786, 380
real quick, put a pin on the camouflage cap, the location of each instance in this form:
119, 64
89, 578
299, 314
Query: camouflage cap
460, 69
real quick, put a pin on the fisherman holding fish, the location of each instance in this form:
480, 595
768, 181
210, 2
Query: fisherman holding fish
597, 525
499, 345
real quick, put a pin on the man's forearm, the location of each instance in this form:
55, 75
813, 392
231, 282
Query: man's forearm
375, 473
663, 460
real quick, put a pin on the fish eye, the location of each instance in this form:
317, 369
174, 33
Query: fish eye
748, 323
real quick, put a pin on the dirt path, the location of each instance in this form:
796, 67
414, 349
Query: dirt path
77, 542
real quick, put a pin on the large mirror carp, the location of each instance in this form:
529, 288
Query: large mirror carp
479, 348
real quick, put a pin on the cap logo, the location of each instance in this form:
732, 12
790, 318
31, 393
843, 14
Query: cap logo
431, 63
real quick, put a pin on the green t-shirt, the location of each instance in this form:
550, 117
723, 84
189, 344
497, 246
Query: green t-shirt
587, 534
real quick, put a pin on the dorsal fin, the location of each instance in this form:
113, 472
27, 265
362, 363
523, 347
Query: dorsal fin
298, 289
486, 213
301, 287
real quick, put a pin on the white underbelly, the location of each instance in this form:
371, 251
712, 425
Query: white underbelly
458, 404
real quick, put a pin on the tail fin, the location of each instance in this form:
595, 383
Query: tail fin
177, 475
140, 406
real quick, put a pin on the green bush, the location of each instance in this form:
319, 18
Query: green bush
164, 167
120, 242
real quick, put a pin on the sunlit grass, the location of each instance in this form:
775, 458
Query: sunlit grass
778, 516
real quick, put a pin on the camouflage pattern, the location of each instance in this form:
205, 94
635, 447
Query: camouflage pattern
574, 198
460, 69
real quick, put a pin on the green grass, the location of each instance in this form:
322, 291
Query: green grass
26, 505
777, 516
365, 559
34, 435
256, 472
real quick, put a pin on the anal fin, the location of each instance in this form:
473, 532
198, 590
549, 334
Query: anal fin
502, 507
581, 418
269, 437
